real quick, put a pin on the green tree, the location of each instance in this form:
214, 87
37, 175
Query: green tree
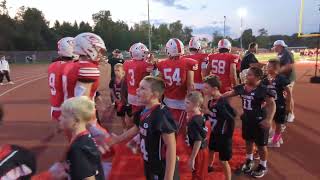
263, 39
247, 38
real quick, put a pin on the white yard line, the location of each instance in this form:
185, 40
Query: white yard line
18, 80
20, 85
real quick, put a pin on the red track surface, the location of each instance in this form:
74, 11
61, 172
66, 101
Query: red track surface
27, 121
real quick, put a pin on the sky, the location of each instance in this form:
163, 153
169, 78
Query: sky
204, 16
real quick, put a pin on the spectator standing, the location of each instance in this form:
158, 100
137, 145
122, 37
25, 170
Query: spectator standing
4, 71
287, 69
249, 59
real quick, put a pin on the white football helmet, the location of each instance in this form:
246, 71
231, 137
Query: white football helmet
89, 44
224, 43
194, 44
139, 51
174, 47
66, 47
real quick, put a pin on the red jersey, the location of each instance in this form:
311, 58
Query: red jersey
135, 71
55, 71
202, 65
85, 71
174, 72
219, 64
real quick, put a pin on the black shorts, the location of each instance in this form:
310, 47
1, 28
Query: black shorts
159, 174
221, 144
125, 110
281, 115
253, 132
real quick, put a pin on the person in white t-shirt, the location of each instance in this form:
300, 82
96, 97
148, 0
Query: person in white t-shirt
4, 71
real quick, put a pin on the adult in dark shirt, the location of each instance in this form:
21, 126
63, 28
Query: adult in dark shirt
258, 111
83, 156
249, 59
115, 58
287, 69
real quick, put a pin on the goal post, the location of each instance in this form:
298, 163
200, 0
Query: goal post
314, 11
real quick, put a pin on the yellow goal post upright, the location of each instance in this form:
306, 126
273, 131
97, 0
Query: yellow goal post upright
315, 78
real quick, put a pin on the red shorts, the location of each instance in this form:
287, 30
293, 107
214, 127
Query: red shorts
201, 165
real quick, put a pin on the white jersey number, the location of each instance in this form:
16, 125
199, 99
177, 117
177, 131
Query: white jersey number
218, 66
52, 79
131, 74
143, 149
65, 87
175, 78
247, 105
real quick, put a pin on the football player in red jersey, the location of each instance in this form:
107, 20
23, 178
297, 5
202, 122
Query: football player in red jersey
201, 58
223, 65
178, 73
136, 69
55, 71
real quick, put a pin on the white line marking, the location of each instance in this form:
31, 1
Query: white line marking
25, 83
28, 77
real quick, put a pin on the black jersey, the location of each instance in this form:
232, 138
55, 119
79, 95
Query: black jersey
277, 85
84, 158
253, 102
152, 124
116, 88
222, 117
197, 131
16, 163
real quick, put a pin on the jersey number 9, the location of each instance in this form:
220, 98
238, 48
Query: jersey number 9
52, 79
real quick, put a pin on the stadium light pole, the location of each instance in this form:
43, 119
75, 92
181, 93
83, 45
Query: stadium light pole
149, 34
242, 13
224, 26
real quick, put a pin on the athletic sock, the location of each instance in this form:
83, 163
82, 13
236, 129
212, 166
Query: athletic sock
263, 163
250, 156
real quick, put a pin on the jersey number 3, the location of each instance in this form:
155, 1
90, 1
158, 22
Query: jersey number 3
131, 74
174, 78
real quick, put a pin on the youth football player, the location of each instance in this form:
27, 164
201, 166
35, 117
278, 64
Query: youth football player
258, 111
223, 65
278, 83
83, 156
197, 136
157, 130
222, 117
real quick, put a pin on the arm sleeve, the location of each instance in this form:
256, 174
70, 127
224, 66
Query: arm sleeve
88, 72
238, 89
165, 122
81, 166
192, 65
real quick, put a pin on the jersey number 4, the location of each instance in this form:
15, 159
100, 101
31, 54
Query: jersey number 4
143, 149
174, 78
218, 66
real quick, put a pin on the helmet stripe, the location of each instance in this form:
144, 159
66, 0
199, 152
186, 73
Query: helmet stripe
178, 45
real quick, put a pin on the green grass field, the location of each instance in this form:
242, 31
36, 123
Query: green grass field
262, 57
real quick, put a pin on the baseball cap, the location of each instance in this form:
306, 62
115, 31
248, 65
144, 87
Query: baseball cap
279, 43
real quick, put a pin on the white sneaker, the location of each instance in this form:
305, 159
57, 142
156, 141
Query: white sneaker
281, 140
10, 82
290, 117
